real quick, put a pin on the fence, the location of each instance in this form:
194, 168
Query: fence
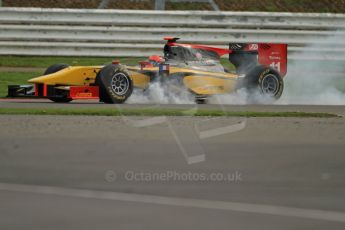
99, 32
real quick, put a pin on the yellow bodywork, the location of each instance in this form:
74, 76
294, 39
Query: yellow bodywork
83, 75
70, 76
199, 82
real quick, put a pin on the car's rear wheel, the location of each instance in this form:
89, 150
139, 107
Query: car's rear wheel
266, 80
53, 69
115, 84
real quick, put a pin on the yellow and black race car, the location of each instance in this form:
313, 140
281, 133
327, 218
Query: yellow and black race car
197, 68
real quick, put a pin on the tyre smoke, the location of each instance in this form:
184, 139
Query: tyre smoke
160, 93
320, 81
241, 97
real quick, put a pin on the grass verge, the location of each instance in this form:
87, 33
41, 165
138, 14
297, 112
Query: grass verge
157, 112
44, 62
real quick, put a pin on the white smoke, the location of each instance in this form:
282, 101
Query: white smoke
317, 82
242, 97
160, 93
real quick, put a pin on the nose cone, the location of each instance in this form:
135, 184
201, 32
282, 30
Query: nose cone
73, 75
52, 78
38, 80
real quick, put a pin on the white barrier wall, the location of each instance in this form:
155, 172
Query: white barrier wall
95, 32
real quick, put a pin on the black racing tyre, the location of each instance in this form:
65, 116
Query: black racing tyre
115, 84
53, 69
265, 79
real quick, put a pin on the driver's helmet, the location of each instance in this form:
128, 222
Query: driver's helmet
155, 60
198, 56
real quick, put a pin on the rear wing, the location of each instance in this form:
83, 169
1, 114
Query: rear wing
246, 55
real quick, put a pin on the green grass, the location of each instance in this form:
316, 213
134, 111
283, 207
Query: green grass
227, 64
156, 112
188, 6
44, 62
14, 78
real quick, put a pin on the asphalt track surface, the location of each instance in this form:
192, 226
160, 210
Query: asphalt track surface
95, 172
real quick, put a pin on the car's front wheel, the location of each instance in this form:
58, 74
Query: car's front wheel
115, 84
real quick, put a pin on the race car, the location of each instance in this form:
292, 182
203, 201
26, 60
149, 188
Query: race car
259, 67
